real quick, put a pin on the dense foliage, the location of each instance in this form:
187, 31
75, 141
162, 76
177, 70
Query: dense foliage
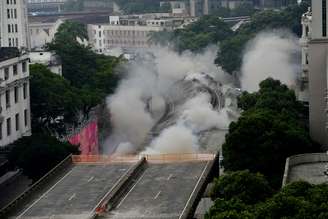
269, 130
231, 50
38, 154
88, 77
295, 201
243, 185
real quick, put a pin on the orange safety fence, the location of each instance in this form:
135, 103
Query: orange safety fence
160, 158
104, 159
178, 157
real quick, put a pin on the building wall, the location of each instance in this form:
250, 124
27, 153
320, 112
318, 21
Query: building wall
42, 33
318, 90
12, 105
13, 21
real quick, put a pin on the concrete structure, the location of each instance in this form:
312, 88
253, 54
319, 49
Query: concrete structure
13, 24
42, 33
163, 186
49, 59
315, 33
303, 78
306, 167
14, 96
130, 32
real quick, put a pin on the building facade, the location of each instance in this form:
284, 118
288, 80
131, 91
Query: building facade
303, 77
42, 33
129, 32
316, 48
14, 96
49, 59
13, 24
46, 5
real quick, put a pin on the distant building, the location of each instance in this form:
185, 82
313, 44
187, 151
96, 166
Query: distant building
14, 96
233, 4
46, 5
42, 33
315, 46
13, 24
49, 59
177, 7
130, 32
203, 7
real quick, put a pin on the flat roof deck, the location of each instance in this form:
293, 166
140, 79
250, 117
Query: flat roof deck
77, 193
162, 191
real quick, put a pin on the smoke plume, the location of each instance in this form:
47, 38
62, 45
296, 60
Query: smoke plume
270, 55
140, 101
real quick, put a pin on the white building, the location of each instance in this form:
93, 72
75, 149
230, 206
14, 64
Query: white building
303, 79
14, 96
54, 5
129, 32
315, 28
49, 59
42, 33
13, 24
177, 7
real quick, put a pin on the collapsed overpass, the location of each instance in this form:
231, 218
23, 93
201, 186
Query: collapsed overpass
150, 186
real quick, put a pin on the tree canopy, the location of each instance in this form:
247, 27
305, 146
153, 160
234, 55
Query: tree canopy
297, 200
269, 130
243, 185
38, 154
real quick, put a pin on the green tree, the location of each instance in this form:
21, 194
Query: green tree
38, 154
248, 187
53, 100
231, 50
270, 129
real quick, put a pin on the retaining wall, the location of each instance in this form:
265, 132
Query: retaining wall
301, 159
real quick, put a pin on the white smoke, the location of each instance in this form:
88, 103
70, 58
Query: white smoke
144, 88
270, 54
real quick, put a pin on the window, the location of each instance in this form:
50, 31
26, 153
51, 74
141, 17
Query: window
1, 131
24, 67
7, 99
7, 2
16, 94
15, 69
16, 28
9, 42
8, 13
25, 117
9, 29
25, 91
15, 13
17, 121
324, 18
6, 73
8, 127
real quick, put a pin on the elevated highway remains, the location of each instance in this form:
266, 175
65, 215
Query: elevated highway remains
145, 186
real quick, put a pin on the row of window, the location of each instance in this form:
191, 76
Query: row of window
12, 13
122, 33
14, 70
16, 95
12, 28
129, 42
17, 124
11, 2
13, 42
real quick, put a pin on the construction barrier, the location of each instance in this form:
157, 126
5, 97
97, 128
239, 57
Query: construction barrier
154, 158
